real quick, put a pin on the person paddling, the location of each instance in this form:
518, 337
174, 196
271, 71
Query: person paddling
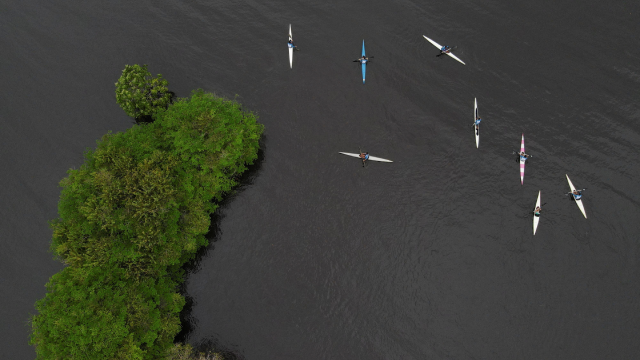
477, 124
364, 156
292, 45
445, 49
523, 156
363, 60
536, 212
577, 194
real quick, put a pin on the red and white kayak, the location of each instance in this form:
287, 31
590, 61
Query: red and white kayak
522, 161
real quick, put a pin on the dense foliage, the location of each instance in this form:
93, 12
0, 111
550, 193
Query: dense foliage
139, 94
129, 218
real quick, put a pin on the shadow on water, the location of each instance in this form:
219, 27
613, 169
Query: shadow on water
188, 322
213, 345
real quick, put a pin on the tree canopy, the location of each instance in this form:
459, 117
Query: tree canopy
97, 313
129, 218
139, 94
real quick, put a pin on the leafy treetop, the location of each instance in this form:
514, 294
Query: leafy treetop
139, 94
129, 218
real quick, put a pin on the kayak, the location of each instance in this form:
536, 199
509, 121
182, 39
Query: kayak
522, 161
372, 158
364, 64
475, 116
440, 47
578, 201
536, 218
290, 49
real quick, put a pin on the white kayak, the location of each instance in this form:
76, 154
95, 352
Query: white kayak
290, 49
578, 201
475, 116
440, 48
536, 218
522, 161
372, 158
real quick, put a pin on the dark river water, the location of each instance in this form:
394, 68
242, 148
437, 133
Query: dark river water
315, 257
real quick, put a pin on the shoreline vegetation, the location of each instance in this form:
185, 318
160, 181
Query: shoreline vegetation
132, 215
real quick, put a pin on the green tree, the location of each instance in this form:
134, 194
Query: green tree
97, 313
129, 218
139, 94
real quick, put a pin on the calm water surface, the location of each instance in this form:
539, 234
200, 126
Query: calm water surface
430, 257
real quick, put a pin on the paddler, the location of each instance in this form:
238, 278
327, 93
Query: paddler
523, 156
363, 60
445, 49
536, 212
577, 194
477, 124
364, 156
292, 45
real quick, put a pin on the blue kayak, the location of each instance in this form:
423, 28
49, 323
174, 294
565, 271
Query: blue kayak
364, 64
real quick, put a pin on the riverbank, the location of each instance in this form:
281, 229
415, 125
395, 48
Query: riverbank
129, 218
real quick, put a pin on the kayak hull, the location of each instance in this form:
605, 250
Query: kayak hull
440, 48
522, 162
372, 158
290, 49
475, 116
455, 57
578, 202
536, 219
364, 66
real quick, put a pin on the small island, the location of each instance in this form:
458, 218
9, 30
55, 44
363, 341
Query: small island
132, 215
